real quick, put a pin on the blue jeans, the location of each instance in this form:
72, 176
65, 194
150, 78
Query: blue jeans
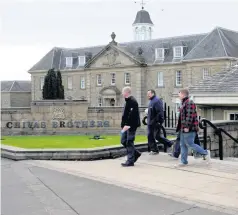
187, 140
176, 152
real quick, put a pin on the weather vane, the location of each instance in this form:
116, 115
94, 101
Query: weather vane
142, 3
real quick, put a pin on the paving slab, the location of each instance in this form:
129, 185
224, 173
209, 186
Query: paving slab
34, 190
213, 185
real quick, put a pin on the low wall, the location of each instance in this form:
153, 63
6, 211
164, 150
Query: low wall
62, 117
230, 148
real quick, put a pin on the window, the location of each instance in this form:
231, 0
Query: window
99, 101
99, 80
113, 80
81, 60
143, 33
82, 83
160, 79
42, 81
233, 116
70, 83
69, 61
127, 78
206, 73
178, 51
178, 78
159, 53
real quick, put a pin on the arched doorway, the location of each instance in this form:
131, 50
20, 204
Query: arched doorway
111, 96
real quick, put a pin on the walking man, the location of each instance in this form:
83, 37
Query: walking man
188, 127
129, 124
154, 117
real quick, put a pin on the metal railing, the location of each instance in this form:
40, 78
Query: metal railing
218, 131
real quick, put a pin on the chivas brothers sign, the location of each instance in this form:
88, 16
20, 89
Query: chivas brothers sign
58, 124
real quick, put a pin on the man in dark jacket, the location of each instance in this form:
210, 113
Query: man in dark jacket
188, 127
154, 118
129, 124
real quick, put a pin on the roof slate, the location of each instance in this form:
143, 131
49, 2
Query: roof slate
142, 16
15, 86
216, 44
222, 82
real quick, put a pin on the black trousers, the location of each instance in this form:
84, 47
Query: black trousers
152, 145
127, 140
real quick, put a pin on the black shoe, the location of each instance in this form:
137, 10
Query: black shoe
127, 164
137, 155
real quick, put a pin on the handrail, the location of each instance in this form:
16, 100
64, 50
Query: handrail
224, 131
218, 131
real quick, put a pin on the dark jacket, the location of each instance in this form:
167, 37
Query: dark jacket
131, 114
155, 111
188, 116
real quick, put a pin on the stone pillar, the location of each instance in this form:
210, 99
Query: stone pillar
212, 113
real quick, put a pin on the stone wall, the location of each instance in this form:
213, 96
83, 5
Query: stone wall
60, 117
230, 148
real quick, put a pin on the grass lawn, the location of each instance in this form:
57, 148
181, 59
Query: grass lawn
42, 142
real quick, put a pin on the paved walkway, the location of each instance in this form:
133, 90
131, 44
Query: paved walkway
31, 190
213, 186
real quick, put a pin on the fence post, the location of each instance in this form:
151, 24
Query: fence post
168, 117
175, 116
172, 118
205, 135
220, 145
165, 115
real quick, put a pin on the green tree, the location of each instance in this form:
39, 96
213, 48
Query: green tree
53, 88
52, 85
45, 91
60, 87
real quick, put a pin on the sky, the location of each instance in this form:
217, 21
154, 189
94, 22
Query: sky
30, 28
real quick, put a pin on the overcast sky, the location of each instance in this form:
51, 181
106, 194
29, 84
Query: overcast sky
30, 28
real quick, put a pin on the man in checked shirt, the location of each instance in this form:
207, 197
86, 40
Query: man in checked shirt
188, 127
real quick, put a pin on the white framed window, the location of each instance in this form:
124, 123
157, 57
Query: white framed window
113, 78
70, 82
233, 116
69, 61
100, 101
99, 79
127, 78
178, 51
82, 83
42, 81
160, 79
178, 78
205, 73
159, 53
81, 60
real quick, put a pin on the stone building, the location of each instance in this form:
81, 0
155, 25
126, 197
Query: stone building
15, 94
98, 74
93, 77
217, 96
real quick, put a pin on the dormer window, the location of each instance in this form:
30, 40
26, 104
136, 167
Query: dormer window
69, 61
178, 51
81, 60
159, 53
